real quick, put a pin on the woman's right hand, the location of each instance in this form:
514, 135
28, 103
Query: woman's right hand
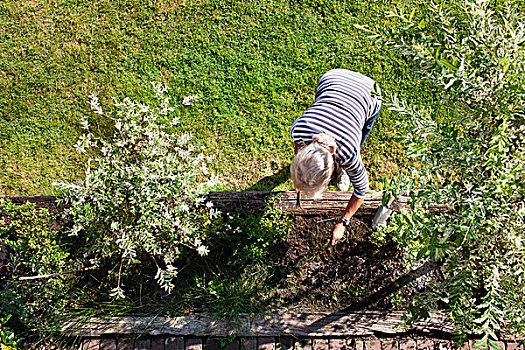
338, 233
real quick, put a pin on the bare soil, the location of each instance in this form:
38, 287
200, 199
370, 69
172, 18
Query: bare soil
355, 274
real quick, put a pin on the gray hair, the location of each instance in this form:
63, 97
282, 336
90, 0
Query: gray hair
312, 167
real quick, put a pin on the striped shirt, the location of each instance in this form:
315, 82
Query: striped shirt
344, 102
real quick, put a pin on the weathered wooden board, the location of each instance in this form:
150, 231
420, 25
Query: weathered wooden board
364, 323
48, 202
329, 203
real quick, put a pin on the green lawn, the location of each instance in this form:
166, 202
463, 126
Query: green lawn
254, 64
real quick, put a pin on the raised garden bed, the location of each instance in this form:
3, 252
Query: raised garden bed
323, 295
354, 275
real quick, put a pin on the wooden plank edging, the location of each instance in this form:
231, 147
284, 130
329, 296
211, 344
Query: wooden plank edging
331, 202
357, 324
48, 202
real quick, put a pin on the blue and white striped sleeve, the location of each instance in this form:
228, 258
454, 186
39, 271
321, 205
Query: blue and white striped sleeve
358, 176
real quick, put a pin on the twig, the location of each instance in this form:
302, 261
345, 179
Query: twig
325, 220
54, 274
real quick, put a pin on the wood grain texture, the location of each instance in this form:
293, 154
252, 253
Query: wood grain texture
364, 323
329, 203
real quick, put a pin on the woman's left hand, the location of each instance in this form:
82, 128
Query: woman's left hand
338, 233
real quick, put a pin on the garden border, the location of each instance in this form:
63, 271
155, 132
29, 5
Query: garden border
329, 203
340, 330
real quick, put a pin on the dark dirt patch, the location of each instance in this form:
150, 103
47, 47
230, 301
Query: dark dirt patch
355, 274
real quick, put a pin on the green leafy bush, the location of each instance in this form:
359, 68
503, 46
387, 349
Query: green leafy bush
472, 159
34, 234
140, 196
31, 306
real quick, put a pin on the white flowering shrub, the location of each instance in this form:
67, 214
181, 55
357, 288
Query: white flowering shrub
473, 160
140, 195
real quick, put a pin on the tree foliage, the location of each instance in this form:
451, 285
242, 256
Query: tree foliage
472, 159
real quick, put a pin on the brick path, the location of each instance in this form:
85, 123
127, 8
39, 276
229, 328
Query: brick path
271, 343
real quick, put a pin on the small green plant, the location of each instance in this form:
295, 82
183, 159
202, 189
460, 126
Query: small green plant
8, 339
392, 187
473, 160
141, 196
256, 232
34, 234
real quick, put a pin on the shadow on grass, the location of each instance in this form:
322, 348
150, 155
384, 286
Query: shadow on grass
270, 182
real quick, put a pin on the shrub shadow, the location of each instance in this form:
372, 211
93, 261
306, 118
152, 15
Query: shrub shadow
270, 182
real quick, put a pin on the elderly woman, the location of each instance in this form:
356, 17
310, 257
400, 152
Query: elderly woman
331, 133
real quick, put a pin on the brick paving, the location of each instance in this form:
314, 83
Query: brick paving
273, 343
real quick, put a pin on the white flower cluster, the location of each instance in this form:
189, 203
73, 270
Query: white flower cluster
95, 105
202, 250
190, 100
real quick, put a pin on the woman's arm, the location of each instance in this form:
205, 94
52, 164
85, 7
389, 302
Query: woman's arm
339, 230
296, 147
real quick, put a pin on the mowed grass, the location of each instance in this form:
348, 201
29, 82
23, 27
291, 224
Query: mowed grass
254, 64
